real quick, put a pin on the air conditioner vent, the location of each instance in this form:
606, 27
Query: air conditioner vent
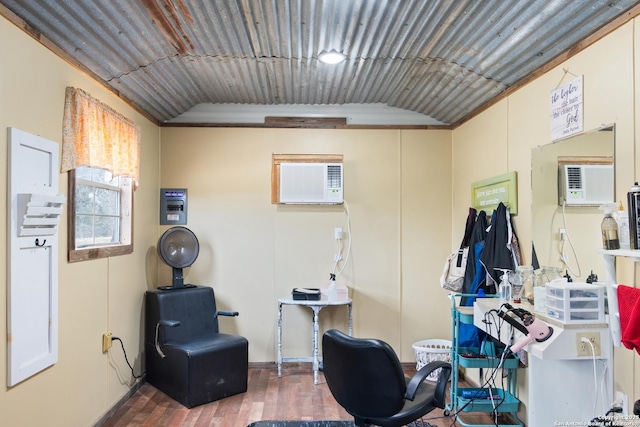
334, 176
574, 177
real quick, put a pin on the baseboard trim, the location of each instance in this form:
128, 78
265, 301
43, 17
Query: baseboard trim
120, 402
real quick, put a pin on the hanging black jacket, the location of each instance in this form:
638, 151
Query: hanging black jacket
498, 252
478, 235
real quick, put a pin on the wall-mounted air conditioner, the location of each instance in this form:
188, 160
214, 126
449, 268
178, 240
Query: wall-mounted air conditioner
585, 184
311, 183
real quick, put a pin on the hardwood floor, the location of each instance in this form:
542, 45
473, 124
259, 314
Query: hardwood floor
292, 397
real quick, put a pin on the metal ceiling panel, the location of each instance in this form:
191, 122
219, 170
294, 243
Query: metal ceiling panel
440, 58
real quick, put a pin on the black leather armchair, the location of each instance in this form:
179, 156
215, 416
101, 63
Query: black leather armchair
366, 379
186, 356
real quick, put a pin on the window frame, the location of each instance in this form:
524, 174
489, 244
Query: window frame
96, 252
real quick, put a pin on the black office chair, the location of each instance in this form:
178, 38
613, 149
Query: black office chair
366, 379
186, 356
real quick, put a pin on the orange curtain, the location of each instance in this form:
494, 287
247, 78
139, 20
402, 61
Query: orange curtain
97, 136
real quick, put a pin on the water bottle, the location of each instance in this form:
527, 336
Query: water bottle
609, 228
523, 283
333, 292
504, 290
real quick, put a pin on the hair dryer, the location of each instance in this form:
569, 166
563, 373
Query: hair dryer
531, 327
536, 330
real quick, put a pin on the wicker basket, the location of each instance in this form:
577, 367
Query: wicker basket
432, 350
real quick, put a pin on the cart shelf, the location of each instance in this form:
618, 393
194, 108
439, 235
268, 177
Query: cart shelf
486, 400
470, 357
479, 399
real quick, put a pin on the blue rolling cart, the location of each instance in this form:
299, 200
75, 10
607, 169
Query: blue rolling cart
488, 398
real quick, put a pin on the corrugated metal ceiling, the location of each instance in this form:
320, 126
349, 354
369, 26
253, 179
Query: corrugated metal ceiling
444, 59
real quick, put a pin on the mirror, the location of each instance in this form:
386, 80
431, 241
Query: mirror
578, 245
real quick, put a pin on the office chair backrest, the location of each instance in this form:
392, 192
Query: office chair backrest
364, 375
194, 308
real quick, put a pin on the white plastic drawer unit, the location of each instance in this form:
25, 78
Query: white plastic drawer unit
575, 302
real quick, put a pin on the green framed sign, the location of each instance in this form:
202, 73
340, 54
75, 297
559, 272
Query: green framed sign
487, 194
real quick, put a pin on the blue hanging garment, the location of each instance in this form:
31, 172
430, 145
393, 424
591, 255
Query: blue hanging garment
470, 335
474, 271
475, 274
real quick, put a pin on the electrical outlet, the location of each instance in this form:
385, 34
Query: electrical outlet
623, 399
583, 348
106, 342
338, 233
562, 234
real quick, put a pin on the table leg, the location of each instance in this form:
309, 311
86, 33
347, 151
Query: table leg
316, 359
279, 340
316, 327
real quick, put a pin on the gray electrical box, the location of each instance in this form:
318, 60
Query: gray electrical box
173, 206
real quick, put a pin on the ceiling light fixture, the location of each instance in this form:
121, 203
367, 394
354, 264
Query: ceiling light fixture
332, 57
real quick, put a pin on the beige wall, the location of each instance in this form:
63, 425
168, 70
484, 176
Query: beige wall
500, 140
397, 188
397, 185
407, 191
94, 296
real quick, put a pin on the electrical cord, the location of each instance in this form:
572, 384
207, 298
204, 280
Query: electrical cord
602, 381
563, 257
490, 381
339, 256
491, 318
607, 420
125, 357
595, 373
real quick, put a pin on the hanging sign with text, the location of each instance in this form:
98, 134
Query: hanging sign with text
487, 194
566, 109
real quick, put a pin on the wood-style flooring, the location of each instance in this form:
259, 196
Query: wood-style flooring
292, 397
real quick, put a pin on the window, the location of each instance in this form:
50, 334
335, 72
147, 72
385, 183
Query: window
100, 214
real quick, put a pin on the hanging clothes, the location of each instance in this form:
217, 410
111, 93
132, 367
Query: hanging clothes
481, 275
469, 335
515, 243
498, 250
629, 310
474, 272
490, 248
468, 226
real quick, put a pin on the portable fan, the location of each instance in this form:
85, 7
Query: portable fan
178, 247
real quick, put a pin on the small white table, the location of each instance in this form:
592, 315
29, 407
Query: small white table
316, 306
